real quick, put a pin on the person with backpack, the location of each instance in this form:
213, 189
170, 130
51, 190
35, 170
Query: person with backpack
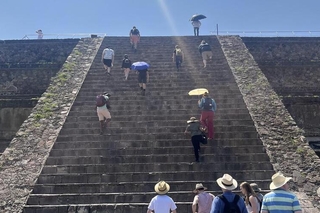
208, 107
194, 129
178, 57
103, 106
250, 198
134, 38
108, 59
202, 201
205, 52
228, 202
126, 66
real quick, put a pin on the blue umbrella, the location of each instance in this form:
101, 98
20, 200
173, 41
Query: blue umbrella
140, 65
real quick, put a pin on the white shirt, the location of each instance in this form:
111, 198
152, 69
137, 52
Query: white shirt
108, 53
162, 204
196, 23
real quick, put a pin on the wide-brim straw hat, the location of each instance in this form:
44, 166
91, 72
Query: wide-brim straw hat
227, 182
192, 120
278, 180
199, 186
255, 187
162, 188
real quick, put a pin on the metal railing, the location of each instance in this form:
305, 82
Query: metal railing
64, 35
268, 33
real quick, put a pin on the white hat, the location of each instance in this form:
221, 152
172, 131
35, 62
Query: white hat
227, 182
278, 180
199, 186
162, 187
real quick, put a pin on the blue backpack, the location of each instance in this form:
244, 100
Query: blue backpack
230, 207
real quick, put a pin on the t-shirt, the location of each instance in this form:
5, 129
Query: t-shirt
196, 23
162, 204
178, 52
142, 73
280, 201
204, 201
108, 53
194, 128
135, 32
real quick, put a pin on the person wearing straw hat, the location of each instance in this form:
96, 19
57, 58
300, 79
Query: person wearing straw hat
203, 200
228, 201
162, 203
208, 107
193, 129
280, 199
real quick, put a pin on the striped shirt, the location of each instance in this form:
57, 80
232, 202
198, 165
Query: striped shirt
280, 201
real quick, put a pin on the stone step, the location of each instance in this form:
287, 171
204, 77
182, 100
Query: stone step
217, 156
152, 130
154, 144
187, 149
144, 117
149, 136
218, 123
97, 187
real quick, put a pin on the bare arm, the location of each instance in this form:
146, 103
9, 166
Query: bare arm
254, 203
149, 211
298, 211
174, 211
194, 208
147, 76
264, 211
102, 55
173, 57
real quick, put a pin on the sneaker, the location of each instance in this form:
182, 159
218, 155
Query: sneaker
108, 73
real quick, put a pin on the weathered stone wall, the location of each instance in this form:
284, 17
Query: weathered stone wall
22, 162
11, 120
292, 66
288, 150
26, 66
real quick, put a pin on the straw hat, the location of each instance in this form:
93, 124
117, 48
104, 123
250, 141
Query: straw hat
162, 187
199, 186
255, 187
278, 180
192, 120
227, 182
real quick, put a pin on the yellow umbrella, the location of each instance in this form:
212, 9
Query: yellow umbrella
199, 91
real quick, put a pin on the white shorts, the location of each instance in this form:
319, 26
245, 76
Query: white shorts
103, 113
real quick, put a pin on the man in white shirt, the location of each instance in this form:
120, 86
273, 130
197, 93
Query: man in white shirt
162, 203
107, 59
196, 25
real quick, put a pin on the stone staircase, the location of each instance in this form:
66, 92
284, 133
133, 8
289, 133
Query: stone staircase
116, 172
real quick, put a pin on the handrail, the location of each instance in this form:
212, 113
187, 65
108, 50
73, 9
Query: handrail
63, 35
280, 33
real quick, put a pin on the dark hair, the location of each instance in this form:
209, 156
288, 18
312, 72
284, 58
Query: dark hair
126, 56
249, 191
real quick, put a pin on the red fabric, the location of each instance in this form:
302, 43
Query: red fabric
206, 120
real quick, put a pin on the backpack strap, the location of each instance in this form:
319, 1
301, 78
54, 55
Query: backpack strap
227, 203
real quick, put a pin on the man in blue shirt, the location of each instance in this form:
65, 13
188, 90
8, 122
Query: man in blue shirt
227, 184
208, 106
280, 200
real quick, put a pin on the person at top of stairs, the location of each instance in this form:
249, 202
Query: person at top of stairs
126, 66
162, 203
178, 57
208, 107
103, 106
107, 59
205, 51
134, 38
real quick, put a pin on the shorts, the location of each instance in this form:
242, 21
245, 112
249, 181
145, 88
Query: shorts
135, 39
103, 113
142, 79
206, 54
107, 62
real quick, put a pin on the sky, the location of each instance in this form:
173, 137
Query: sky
153, 17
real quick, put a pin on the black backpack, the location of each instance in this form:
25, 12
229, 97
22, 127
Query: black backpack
230, 207
208, 103
100, 101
